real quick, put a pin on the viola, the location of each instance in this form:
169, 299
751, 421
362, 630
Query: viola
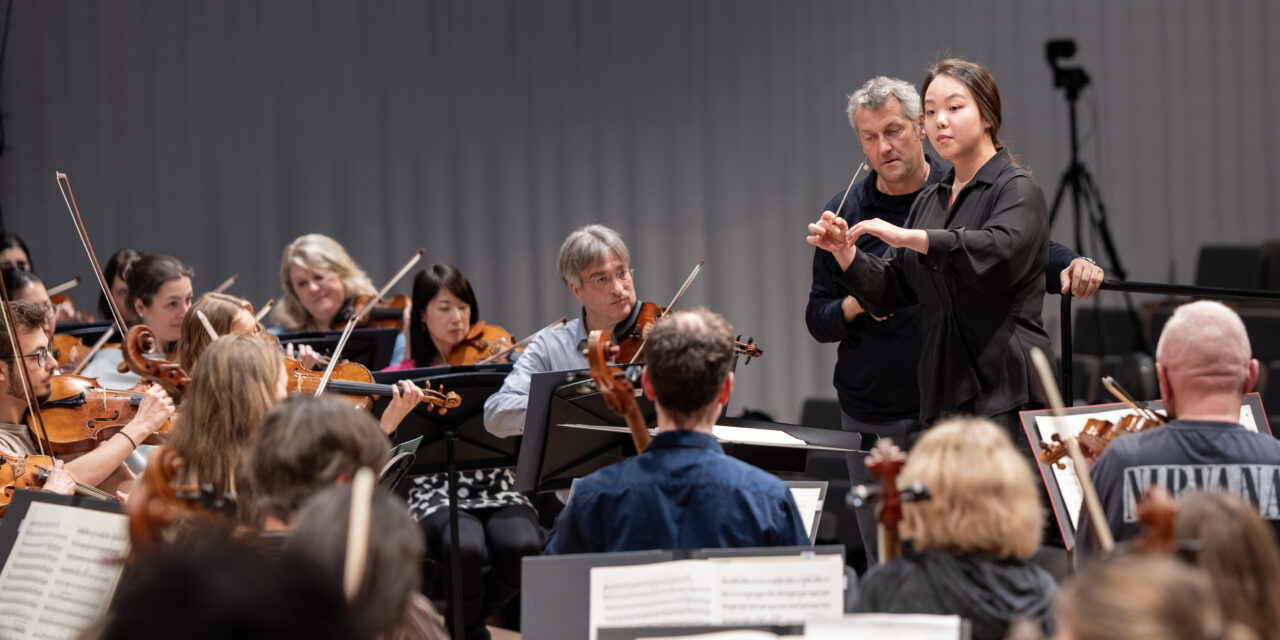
885, 461
30, 472
617, 388
80, 414
158, 502
1157, 512
482, 340
354, 382
388, 314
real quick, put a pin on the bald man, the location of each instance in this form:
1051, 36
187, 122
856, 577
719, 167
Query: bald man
1205, 366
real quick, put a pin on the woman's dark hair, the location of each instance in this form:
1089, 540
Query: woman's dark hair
426, 285
16, 279
11, 240
117, 266
149, 273
981, 85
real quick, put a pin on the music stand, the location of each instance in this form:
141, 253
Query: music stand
372, 347
453, 442
89, 332
569, 432
551, 457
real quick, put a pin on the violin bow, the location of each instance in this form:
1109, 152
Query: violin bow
208, 326
355, 319
69, 197
93, 351
358, 526
226, 284
20, 363
512, 347
266, 308
862, 165
70, 284
1123, 395
687, 281
1094, 506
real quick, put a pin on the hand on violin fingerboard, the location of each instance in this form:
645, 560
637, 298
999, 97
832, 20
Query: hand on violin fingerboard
405, 396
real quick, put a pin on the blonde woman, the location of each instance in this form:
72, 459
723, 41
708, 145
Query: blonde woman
226, 314
973, 536
236, 381
320, 282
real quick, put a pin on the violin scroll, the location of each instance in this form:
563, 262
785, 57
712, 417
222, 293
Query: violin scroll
618, 390
885, 461
140, 341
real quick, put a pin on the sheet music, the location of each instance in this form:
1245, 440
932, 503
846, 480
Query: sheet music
755, 436
809, 503
722, 591
61, 573
1068, 483
780, 590
653, 595
741, 634
910, 626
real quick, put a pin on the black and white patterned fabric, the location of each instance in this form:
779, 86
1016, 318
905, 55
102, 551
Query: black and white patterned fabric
480, 489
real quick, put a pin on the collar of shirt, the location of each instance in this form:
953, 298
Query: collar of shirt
681, 439
987, 174
620, 331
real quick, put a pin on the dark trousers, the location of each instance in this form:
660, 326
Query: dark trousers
495, 539
903, 433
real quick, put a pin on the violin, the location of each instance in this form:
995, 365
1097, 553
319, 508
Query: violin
69, 351
1095, 436
483, 340
80, 415
30, 472
617, 388
389, 314
66, 311
353, 381
630, 345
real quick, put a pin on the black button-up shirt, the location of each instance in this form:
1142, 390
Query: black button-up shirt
980, 289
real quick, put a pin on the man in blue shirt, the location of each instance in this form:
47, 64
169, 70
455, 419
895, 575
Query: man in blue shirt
683, 492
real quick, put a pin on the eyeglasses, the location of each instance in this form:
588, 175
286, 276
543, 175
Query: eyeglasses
602, 283
41, 355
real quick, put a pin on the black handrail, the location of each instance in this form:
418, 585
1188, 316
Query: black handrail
1216, 293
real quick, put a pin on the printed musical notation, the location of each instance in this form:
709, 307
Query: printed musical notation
62, 571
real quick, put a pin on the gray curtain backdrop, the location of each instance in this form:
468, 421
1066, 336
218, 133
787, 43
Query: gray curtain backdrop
485, 131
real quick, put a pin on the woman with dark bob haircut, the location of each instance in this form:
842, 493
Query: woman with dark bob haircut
444, 325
